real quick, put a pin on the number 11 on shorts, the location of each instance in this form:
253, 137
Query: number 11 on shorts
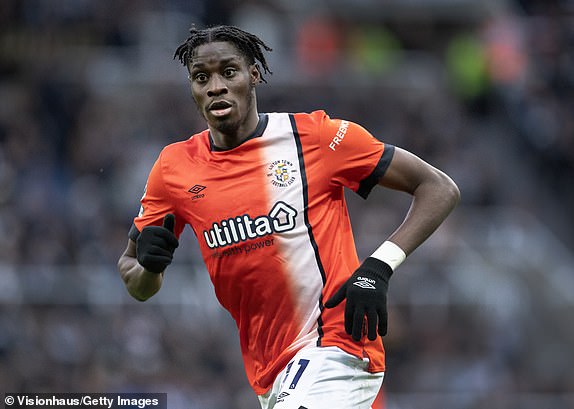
302, 365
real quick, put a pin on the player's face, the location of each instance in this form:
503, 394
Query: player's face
223, 87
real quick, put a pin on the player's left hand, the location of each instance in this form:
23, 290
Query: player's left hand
366, 294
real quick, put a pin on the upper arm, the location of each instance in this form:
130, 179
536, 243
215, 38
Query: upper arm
406, 172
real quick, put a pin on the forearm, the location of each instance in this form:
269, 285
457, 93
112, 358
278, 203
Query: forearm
140, 283
432, 202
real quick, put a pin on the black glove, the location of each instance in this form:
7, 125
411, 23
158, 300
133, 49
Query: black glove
155, 245
366, 293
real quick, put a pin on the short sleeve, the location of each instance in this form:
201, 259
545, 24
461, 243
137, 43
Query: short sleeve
353, 157
155, 203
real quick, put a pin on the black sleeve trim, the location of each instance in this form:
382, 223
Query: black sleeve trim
370, 181
133, 233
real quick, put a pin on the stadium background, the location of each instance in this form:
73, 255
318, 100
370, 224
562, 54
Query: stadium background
482, 314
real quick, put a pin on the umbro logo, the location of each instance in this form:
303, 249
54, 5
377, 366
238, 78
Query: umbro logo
282, 397
196, 190
365, 282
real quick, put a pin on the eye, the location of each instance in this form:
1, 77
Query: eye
200, 77
229, 72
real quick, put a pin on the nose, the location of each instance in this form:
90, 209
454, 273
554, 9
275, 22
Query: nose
217, 86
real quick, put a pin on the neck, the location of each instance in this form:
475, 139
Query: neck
232, 135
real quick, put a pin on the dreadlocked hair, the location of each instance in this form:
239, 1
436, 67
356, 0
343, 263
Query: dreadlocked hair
248, 44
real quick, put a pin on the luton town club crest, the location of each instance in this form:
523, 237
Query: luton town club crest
281, 172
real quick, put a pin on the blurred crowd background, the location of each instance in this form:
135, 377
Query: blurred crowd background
482, 315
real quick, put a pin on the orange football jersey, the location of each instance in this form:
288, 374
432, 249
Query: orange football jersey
273, 228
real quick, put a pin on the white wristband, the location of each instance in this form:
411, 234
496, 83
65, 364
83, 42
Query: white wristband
390, 253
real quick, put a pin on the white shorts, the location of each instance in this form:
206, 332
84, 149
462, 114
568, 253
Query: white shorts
323, 378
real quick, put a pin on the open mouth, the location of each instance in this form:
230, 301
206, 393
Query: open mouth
219, 108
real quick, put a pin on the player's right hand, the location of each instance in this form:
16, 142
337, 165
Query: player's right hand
155, 245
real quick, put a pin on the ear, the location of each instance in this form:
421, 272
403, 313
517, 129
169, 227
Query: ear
255, 74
